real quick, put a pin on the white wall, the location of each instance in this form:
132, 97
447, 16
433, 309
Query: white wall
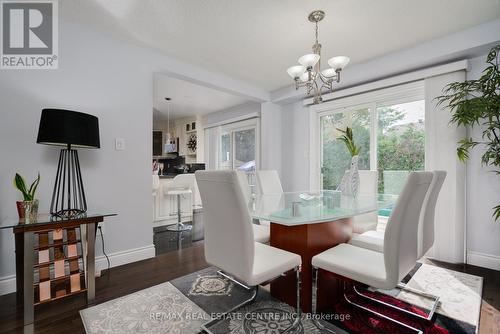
114, 81
483, 193
228, 114
463, 44
271, 127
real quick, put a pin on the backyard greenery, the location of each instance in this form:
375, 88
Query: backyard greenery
400, 148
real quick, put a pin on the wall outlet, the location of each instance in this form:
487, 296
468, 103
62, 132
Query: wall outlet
119, 144
101, 229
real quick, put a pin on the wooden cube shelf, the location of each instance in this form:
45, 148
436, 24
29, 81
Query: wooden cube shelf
59, 266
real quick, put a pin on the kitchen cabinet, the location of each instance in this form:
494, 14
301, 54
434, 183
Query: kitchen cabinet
157, 143
181, 131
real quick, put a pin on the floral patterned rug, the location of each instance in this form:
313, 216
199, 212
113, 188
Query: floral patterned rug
184, 304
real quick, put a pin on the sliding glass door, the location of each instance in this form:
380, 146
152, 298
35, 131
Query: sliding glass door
391, 137
225, 156
335, 159
239, 146
400, 144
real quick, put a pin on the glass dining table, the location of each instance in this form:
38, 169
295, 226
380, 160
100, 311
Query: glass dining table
308, 223
298, 208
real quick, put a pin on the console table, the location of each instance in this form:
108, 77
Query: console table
60, 251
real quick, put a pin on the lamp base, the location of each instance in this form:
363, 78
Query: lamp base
68, 197
71, 213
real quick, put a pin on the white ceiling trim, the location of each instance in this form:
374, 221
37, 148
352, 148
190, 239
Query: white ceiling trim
391, 82
232, 120
464, 44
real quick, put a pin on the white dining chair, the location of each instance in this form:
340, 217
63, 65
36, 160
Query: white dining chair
269, 182
426, 224
374, 240
368, 182
381, 270
229, 240
261, 233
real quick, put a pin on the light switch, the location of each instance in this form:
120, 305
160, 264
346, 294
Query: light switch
119, 144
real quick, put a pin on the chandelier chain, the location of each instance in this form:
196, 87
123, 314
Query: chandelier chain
317, 33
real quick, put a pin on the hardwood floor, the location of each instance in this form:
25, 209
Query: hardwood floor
63, 317
489, 322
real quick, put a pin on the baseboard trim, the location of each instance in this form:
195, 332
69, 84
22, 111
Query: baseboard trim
125, 257
8, 283
483, 260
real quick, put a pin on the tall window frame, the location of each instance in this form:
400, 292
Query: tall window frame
400, 94
213, 142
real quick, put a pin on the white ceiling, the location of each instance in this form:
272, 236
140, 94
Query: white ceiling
188, 99
256, 40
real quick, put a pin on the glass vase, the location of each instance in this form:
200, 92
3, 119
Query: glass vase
30, 210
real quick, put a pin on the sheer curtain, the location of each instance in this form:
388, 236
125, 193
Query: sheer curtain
212, 147
440, 154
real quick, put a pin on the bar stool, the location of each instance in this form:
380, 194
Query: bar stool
181, 185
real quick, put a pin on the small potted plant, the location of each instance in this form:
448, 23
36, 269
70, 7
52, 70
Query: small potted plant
28, 208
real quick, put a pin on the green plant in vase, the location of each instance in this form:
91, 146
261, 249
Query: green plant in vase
477, 103
349, 184
28, 208
348, 139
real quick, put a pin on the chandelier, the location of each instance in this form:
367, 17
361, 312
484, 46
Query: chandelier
309, 74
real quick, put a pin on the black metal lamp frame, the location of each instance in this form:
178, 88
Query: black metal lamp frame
68, 197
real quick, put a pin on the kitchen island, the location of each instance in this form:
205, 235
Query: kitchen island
165, 206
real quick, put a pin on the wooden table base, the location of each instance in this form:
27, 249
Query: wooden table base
307, 241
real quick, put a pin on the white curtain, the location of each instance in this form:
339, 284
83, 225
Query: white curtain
211, 147
440, 154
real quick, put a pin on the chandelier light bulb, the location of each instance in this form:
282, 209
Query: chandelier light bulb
329, 73
309, 60
296, 71
339, 62
305, 76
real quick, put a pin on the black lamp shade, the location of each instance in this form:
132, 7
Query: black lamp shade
68, 128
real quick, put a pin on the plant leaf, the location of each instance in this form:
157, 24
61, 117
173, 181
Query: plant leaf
33, 187
21, 186
496, 212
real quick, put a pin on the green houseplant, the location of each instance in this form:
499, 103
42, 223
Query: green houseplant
348, 139
349, 184
477, 103
28, 208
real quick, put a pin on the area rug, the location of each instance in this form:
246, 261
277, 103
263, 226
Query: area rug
184, 304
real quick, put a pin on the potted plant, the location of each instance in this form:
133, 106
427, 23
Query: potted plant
477, 103
28, 208
350, 181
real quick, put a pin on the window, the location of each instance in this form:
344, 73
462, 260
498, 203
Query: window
334, 156
244, 149
233, 146
400, 144
238, 149
389, 128
226, 161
